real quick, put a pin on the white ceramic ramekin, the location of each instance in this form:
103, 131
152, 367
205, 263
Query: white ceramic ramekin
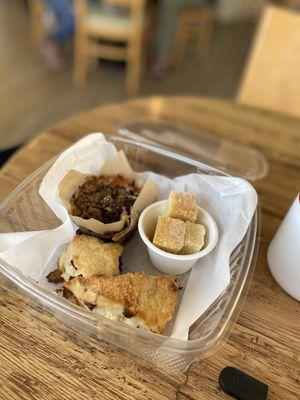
173, 263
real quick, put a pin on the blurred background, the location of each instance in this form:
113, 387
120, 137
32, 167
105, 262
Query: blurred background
62, 57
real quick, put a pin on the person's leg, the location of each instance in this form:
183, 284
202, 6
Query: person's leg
167, 18
63, 10
168, 13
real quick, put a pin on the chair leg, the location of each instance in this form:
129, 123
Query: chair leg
205, 35
133, 69
80, 60
37, 28
180, 42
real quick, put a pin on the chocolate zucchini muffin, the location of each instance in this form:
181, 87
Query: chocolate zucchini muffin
104, 198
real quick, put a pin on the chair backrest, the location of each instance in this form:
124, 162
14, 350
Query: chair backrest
120, 3
272, 75
136, 11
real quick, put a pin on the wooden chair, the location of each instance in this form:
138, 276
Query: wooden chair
194, 24
36, 11
272, 75
99, 35
294, 4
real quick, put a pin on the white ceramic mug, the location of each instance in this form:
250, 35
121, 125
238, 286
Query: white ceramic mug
284, 252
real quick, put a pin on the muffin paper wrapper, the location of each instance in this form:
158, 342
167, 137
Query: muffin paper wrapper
118, 231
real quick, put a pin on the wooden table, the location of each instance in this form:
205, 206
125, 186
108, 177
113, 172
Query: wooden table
42, 359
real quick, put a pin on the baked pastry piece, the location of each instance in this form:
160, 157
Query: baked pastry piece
105, 198
169, 234
89, 256
182, 206
55, 276
193, 238
140, 300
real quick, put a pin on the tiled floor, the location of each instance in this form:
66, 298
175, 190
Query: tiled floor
33, 98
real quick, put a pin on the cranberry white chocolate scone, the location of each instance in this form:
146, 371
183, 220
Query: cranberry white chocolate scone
182, 206
87, 256
91, 268
138, 299
169, 234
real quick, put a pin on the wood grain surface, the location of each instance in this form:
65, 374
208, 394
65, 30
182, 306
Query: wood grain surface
42, 359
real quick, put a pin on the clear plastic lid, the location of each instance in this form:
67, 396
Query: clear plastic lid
223, 154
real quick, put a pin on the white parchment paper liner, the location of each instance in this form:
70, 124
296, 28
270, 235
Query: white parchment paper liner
231, 201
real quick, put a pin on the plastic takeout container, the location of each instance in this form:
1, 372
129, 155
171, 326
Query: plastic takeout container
169, 263
24, 210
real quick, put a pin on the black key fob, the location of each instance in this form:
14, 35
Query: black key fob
242, 386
